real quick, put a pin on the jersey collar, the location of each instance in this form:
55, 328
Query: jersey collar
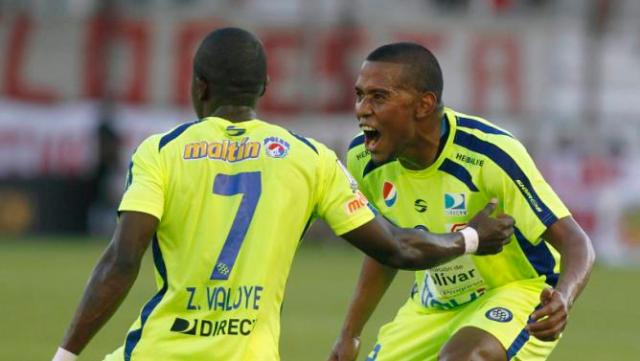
447, 132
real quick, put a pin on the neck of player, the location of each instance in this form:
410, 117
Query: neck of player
422, 151
234, 113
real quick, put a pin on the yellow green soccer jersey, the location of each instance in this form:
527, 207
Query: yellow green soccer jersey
233, 200
479, 161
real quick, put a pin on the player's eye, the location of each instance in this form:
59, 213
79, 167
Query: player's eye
379, 97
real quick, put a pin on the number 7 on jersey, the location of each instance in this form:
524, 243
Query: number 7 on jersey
250, 186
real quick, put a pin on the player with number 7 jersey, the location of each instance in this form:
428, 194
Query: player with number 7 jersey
233, 201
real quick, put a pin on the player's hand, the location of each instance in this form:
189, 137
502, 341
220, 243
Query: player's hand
549, 320
345, 349
493, 233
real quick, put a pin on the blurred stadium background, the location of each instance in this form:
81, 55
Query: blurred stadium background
82, 82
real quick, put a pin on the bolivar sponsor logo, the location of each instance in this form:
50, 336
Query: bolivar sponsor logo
356, 203
207, 328
226, 150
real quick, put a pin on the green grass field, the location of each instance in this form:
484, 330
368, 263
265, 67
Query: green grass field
41, 282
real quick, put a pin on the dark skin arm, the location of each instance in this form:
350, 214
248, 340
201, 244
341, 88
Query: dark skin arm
414, 249
577, 261
111, 279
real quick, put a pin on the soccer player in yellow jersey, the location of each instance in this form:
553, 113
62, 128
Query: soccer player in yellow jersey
422, 164
224, 202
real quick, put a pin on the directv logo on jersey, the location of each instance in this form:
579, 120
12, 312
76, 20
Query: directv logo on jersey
389, 193
276, 147
200, 327
455, 204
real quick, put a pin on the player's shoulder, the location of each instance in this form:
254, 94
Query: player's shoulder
478, 138
482, 136
357, 153
302, 145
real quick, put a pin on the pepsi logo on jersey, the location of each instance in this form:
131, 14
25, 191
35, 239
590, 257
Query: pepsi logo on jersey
389, 193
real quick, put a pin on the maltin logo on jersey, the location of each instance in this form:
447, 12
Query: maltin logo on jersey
276, 147
389, 193
455, 204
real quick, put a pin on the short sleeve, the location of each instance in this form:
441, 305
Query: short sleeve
524, 193
340, 204
145, 187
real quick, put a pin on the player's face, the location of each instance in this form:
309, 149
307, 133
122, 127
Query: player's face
385, 107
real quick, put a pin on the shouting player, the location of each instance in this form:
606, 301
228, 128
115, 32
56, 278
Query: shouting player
224, 202
424, 165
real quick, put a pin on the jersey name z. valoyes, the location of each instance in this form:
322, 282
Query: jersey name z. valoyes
233, 200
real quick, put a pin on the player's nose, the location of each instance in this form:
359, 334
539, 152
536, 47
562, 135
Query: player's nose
363, 110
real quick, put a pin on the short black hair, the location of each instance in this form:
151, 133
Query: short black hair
233, 63
424, 71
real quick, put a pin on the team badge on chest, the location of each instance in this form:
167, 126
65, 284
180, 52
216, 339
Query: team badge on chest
389, 193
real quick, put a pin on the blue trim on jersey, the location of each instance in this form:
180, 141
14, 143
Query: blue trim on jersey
509, 166
458, 171
371, 166
174, 134
476, 124
305, 141
520, 340
373, 209
129, 175
134, 336
356, 141
539, 256
376, 351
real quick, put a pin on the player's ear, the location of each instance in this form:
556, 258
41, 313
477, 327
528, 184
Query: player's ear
427, 104
267, 80
200, 88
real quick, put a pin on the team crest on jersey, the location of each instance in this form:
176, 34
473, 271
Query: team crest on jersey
276, 147
499, 314
455, 204
389, 193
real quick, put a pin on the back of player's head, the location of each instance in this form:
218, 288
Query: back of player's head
233, 63
424, 70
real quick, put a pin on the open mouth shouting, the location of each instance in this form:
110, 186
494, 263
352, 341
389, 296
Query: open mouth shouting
371, 137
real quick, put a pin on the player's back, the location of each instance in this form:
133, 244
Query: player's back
233, 202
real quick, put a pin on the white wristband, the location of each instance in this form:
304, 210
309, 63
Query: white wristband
64, 355
471, 240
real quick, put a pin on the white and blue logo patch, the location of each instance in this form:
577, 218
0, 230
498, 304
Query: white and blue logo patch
455, 204
276, 147
499, 314
389, 193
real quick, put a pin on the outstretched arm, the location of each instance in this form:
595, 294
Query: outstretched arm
111, 279
575, 266
416, 249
